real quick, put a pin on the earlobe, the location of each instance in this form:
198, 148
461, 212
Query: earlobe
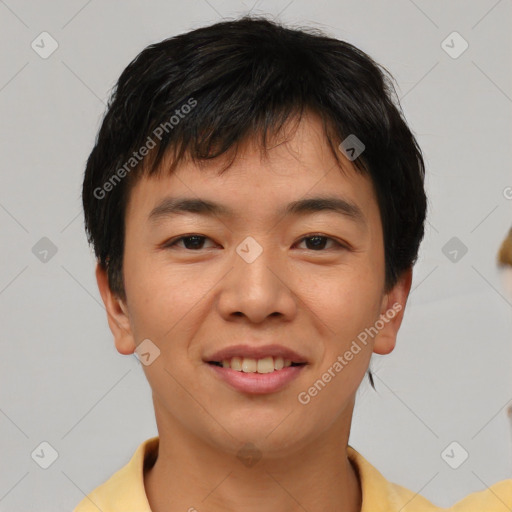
392, 313
117, 314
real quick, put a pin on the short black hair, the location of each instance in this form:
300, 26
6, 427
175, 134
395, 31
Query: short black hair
203, 93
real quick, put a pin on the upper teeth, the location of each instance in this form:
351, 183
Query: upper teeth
249, 365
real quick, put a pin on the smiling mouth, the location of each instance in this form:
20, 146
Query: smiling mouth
251, 365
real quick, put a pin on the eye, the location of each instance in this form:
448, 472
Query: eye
190, 242
314, 242
317, 242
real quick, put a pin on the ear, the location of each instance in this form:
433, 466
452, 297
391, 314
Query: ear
117, 314
392, 313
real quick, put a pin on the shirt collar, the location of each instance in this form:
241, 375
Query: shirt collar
125, 489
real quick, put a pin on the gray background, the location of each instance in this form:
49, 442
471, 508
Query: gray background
63, 382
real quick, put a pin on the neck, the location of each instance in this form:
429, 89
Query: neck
191, 475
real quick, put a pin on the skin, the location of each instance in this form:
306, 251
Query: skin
192, 302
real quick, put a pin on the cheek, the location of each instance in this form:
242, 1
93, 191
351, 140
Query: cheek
346, 300
169, 304
160, 296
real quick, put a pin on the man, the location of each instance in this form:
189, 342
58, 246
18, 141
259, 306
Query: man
255, 200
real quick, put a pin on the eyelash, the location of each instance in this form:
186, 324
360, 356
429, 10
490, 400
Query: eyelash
171, 244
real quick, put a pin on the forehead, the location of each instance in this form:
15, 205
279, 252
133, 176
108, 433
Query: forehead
295, 167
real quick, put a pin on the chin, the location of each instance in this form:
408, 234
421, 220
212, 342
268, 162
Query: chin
274, 438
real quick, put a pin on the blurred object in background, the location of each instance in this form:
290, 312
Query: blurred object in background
505, 261
505, 252
505, 264
509, 412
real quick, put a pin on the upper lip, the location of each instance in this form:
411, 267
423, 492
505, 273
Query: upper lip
254, 352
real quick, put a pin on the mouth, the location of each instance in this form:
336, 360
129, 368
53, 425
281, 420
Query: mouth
266, 364
254, 369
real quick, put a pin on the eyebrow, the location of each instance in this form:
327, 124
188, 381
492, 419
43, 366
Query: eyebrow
171, 206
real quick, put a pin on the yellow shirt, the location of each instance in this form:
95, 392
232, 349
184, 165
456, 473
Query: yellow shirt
124, 490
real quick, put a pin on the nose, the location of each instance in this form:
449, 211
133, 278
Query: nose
257, 289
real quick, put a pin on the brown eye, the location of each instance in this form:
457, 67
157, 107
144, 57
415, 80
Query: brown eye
190, 242
318, 242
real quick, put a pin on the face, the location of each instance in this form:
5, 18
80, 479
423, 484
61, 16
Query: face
252, 282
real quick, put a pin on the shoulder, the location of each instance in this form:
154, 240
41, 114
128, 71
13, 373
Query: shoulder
496, 498
124, 490
381, 495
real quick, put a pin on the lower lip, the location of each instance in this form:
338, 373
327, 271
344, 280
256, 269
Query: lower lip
258, 383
